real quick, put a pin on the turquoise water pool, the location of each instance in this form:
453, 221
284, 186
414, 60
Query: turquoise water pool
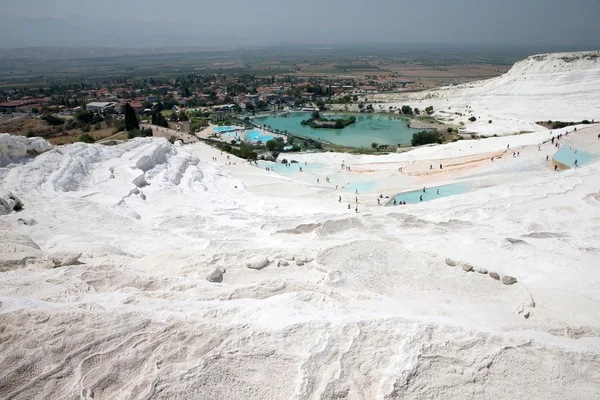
567, 155
230, 134
256, 136
224, 128
367, 129
431, 193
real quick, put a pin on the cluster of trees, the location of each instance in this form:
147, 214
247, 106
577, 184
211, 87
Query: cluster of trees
159, 119
426, 137
317, 121
182, 116
378, 146
144, 132
245, 150
198, 124
87, 117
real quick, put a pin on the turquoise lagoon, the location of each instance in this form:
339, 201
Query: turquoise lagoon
370, 128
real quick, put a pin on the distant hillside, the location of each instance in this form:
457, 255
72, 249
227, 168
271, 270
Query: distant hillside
70, 53
557, 86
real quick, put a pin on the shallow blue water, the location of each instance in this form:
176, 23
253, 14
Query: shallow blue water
414, 196
224, 128
362, 187
292, 169
567, 155
230, 134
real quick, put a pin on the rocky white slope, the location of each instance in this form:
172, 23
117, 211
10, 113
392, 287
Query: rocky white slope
141, 271
557, 87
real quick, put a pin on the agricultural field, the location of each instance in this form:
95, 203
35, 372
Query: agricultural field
425, 68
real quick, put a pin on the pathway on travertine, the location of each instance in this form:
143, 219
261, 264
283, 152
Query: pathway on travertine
159, 131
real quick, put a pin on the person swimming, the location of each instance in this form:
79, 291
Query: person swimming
438, 192
395, 202
421, 198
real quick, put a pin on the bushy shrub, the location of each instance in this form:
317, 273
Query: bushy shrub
52, 120
18, 206
426, 137
85, 138
472, 119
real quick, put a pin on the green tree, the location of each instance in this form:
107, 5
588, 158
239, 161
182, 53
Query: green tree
159, 119
406, 110
131, 121
271, 145
84, 116
173, 117
315, 115
426, 137
375, 145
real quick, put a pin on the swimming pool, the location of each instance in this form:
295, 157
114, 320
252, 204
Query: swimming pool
230, 134
257, 136
224, 128
431, 193
567, 155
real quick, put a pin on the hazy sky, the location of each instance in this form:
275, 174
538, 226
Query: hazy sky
528, 22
